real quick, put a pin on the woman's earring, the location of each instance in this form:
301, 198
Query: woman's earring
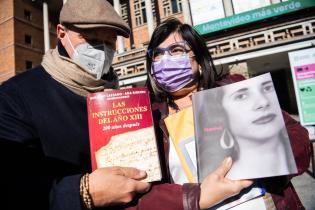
226, 135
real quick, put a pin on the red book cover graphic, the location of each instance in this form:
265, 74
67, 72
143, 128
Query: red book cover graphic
121, 131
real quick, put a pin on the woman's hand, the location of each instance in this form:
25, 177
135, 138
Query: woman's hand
215, 187
116, 185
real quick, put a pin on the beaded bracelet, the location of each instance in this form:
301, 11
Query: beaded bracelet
84, 192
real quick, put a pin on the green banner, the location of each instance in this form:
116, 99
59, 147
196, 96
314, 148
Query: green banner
254, 15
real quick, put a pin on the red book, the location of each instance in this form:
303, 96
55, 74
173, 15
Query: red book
121, 131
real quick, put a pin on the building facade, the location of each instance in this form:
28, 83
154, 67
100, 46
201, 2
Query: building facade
22, 35
250, 37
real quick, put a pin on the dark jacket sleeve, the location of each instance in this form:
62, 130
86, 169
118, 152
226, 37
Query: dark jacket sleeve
65, 193
191, 196
15, 123
167, 197
162, 196
27, 179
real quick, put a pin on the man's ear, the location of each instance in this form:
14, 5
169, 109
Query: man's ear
61, 35
61, 32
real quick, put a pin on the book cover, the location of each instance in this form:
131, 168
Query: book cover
121, 131
180, 127
242, 120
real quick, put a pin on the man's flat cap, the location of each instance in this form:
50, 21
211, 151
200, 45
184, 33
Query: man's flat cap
84, 14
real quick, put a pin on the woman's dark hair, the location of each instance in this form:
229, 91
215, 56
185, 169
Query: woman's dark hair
197, 44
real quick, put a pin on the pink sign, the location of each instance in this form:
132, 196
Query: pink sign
305, 72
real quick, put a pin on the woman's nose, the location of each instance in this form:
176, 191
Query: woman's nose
261, 102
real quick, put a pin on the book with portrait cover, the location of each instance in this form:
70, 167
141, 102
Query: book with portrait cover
121, 131
180, 127
242, 120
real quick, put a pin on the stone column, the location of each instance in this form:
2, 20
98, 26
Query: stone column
120, 39
46, 27
149, 14
186, 12
228, 7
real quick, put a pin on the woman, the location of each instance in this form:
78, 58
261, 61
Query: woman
178, 64
252, 130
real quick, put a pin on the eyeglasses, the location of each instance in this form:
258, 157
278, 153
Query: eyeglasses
175, 49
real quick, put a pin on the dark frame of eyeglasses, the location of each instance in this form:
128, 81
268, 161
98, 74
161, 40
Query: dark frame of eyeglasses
150, 52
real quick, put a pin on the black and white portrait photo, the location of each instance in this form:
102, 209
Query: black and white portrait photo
242, 120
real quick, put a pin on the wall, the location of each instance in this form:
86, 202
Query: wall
6, 40
29, 52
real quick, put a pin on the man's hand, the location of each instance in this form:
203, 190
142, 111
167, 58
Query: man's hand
215, 187
116, 185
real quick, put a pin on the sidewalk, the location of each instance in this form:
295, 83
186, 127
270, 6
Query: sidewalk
305, 187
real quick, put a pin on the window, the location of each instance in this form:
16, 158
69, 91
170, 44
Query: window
27, 15
171, 7
124, 12
28, 64
247, 5
28, 39
144, 15
202, 11
175, 6
140, 12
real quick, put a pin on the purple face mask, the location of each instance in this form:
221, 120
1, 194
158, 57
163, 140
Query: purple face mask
172, 72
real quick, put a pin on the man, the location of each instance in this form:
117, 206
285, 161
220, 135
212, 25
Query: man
43, 124
44, 147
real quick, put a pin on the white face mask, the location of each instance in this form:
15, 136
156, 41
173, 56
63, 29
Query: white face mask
95, 59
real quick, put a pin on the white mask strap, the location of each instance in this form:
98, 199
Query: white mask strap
71, 43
